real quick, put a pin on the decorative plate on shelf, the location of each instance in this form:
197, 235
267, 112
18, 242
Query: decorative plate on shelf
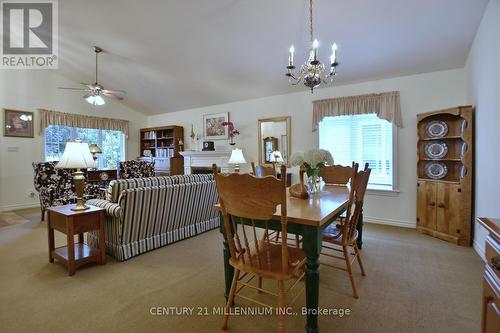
436, 149
436, 170
463, 126
436, 129
463, 149
463, 171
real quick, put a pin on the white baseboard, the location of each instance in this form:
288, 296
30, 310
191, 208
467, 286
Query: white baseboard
394, 223
19, 206
479, 249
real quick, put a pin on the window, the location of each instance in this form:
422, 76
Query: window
112, 143
364, 139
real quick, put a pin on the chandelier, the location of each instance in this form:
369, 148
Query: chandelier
312, 72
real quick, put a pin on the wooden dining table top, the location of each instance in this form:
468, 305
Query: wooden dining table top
320, 208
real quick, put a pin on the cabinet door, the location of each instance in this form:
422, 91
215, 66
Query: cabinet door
426, 204
450, 209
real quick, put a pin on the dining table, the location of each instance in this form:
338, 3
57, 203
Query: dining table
307, 218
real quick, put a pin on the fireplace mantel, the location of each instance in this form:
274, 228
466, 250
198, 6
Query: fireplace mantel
206, 159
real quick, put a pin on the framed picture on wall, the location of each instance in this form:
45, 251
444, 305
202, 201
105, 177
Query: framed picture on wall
212, 126
18, 124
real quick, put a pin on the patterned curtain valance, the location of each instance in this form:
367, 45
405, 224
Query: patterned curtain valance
77, 120
385, 105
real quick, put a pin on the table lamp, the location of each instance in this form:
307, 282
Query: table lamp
276, 158
77, 156
94, 150
237, 158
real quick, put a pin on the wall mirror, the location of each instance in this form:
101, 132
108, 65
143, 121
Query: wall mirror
274, 140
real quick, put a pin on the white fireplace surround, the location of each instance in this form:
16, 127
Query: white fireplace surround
205, 159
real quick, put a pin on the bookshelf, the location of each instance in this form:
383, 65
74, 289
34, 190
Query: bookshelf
165, 143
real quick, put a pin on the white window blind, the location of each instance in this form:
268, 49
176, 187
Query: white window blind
363, 139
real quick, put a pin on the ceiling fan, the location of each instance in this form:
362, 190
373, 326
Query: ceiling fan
95, 91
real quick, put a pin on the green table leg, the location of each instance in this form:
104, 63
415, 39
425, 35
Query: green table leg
228, 269
312, 237
359, 227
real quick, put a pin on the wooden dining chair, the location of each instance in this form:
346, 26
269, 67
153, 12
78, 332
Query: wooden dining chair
262, 171
337, 174
248, 202
340, 238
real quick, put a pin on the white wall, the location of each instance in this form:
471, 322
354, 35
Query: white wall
419, 93
483, 87
29, 90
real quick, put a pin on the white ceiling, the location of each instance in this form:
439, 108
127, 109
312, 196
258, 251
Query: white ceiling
173, 55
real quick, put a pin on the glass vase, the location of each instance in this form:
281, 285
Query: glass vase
314, 181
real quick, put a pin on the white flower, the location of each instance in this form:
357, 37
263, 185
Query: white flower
313, 157
297, 159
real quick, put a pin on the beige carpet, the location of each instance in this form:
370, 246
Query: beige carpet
415, 283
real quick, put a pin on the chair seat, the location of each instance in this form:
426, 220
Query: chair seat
333, 234
270, 259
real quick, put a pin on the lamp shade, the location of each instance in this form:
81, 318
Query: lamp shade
95, 149
276, 157
76, 156
237, 157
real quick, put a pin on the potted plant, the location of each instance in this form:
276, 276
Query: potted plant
313, 161
232, 131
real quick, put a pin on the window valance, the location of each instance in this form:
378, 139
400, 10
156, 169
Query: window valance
385, 105
77, 120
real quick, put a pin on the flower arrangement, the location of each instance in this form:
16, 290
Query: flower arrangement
313, 160
232, 131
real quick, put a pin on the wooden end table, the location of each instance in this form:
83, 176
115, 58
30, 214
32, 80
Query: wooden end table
69, 222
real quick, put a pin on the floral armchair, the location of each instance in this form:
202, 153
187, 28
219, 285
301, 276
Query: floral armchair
136, 169
55, 186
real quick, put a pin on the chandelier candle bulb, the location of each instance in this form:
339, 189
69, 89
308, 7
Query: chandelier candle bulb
333, 58
290, 57
315, 50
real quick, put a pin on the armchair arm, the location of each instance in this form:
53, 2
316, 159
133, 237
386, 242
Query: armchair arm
112, 209
46, 195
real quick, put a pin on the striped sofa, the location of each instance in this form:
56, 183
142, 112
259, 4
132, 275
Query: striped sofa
143, 214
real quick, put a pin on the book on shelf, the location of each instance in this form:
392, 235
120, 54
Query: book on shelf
151, 135
164, 152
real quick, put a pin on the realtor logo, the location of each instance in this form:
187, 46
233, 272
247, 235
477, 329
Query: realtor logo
29, 34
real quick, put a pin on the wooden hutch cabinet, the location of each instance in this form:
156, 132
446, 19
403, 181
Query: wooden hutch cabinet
445, 174
164, 143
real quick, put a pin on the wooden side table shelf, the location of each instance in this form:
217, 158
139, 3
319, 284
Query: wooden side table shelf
69, 222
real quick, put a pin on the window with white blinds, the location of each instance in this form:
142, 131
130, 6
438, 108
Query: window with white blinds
363, 139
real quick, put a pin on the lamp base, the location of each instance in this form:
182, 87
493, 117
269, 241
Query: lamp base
80, 208
79, 181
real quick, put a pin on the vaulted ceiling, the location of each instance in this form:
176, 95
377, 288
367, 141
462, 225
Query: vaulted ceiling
171, 55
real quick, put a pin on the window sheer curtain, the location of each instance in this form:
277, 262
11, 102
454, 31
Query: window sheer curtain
48, 117
385, 105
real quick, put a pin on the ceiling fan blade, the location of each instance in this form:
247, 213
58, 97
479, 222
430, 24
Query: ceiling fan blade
116, 94
79, 89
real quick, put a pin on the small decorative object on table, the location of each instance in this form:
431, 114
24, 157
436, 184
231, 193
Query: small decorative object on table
232, 131
208, 146
313, 160
299, 190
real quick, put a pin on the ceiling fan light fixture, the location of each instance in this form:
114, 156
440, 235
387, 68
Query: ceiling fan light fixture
95, 100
